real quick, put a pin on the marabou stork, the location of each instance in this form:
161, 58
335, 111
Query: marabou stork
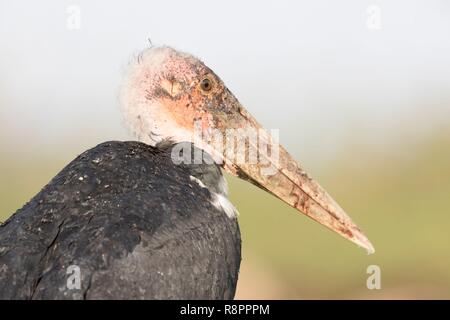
136, 223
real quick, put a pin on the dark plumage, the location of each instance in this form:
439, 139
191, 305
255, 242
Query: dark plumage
135, 223
139, 226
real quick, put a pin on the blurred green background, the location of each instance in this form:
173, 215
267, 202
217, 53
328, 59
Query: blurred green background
402, 204
365, 111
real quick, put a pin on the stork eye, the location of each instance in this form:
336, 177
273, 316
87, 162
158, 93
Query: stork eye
206, 84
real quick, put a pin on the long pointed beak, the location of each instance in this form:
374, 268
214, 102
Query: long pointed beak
278, 173
292, 184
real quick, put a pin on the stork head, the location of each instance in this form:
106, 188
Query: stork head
169, 94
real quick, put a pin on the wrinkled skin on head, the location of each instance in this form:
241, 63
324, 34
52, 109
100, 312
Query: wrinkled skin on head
173, 95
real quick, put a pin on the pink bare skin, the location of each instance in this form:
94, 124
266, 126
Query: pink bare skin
166, 92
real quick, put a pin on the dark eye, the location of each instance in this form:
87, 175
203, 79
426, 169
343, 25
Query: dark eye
206, 84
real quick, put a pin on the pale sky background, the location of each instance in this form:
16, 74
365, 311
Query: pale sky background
313, 69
